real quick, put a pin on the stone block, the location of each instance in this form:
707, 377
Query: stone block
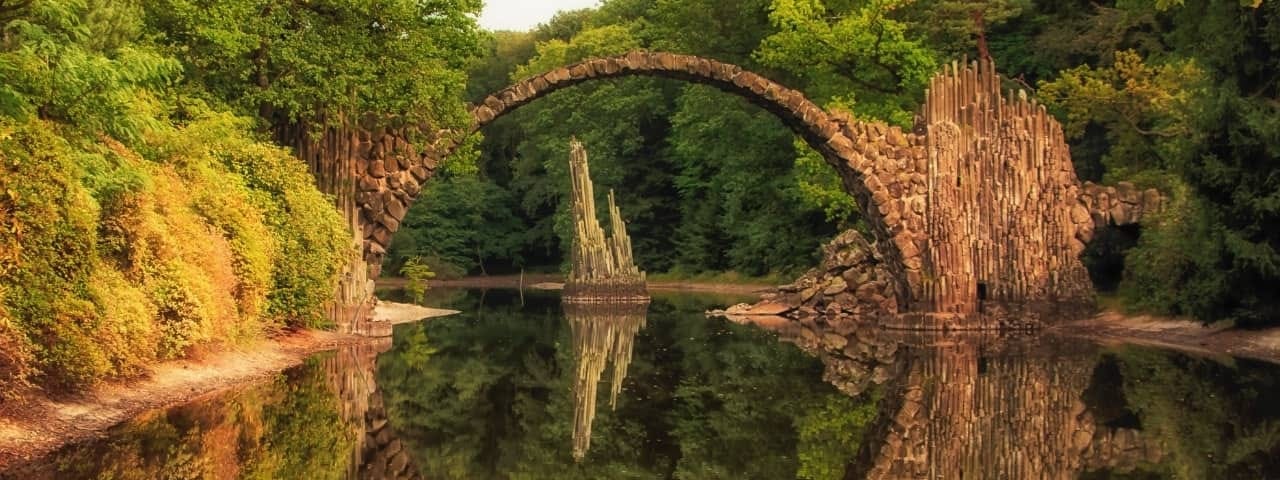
377, 169
420, 173
396, 208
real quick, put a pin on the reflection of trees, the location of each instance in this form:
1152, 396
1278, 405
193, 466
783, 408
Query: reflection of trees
603, 333
490, 396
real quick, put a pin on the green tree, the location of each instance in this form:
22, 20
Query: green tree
851, 54
326, 61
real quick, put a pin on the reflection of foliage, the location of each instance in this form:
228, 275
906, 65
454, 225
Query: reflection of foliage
1214, 420
288, 428
831, 433
487, 395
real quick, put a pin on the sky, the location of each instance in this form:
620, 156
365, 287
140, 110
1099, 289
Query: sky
525, 14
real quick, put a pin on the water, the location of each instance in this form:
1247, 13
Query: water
515, 389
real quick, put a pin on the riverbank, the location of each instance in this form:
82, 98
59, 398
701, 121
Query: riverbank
1114, 328
543, 281
37, 425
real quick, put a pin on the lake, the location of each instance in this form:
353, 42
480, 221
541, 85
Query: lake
518, 387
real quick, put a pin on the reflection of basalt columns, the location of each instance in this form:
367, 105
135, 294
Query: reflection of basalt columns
602, 334
1001, 410
377, 453
602, 265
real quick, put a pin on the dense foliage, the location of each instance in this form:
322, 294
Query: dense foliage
324, 61
143, 214
1176, 95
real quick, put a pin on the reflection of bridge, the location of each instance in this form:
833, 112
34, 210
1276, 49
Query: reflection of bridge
965, 412
976, 211
973, 406
603, 334
378, 454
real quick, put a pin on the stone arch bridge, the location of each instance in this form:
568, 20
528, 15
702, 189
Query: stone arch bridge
974, 215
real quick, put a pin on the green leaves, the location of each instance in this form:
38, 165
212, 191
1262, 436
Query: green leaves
327, 60
1146, 109
56, 64
856, 54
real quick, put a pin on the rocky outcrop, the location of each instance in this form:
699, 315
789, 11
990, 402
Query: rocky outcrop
1119, 205
602, 265
851, 282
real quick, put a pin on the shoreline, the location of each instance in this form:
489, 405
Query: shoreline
1113, 328
545, 281
37, 425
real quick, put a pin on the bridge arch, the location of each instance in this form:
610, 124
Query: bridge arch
977, 216
851, 148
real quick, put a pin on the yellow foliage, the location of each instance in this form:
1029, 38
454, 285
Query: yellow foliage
111, 259
1136, 102
127, 333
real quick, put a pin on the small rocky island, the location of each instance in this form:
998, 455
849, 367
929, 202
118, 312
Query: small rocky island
603, 268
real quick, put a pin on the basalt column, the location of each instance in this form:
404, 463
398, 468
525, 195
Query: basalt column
1000, 238
602, 265
331, 158
374, 174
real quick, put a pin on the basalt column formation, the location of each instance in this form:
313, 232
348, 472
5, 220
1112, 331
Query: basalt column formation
373, 174
1000, 240
602, 264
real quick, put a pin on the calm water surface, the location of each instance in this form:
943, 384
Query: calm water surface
521, 388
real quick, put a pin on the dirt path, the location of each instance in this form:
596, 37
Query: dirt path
1114, 328
35, 426
543, 281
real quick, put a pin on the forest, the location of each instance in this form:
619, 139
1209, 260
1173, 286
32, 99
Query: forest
147, 210
1176, 95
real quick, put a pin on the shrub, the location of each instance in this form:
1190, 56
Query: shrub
312, 242
417, 272
115, 256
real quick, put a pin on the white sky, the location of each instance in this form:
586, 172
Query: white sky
525, 14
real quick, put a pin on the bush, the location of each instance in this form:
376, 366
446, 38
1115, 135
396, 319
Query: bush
1176, 267
312, 242
417, 272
